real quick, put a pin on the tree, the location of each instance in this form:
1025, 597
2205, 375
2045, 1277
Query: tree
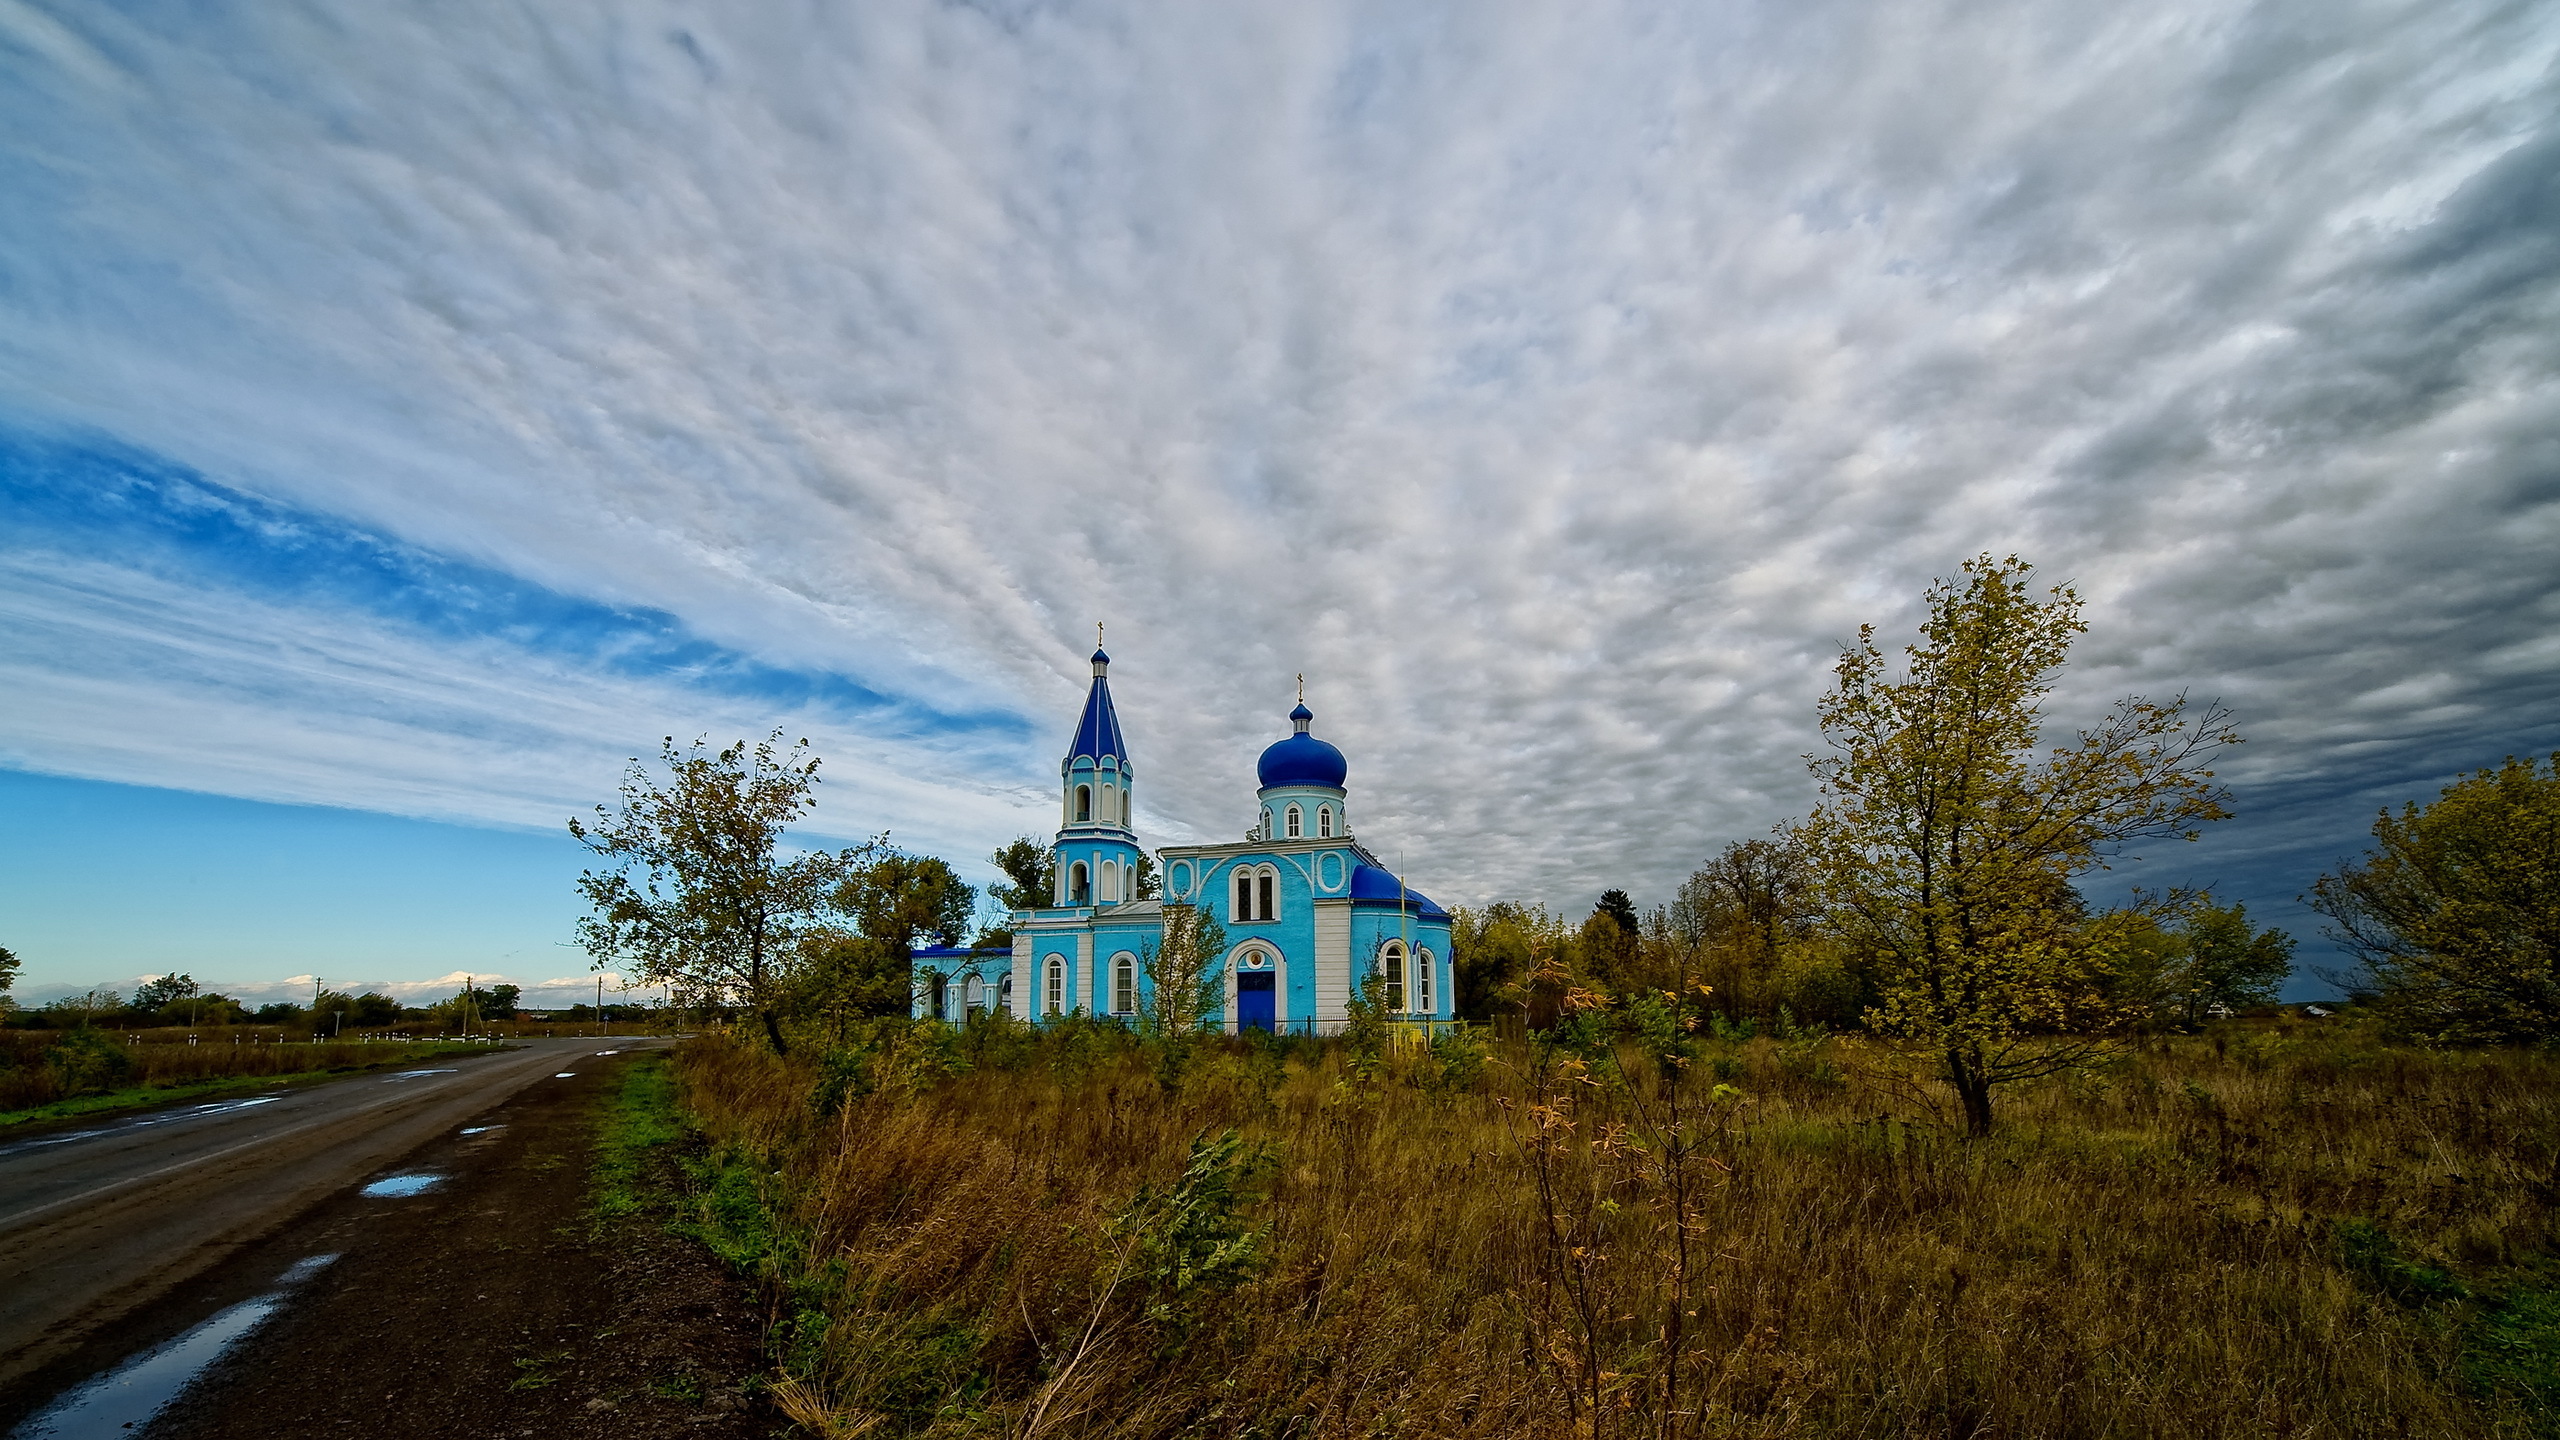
2454, 914
159, 992
714, 911
1617, 905
1947, 845
498, 1002
9, 963
895, 900
2224, 962
1185, 987
1026, 862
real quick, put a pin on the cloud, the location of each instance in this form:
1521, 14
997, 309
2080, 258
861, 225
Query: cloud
1556, 390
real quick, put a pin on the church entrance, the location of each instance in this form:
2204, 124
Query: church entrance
1256, 1000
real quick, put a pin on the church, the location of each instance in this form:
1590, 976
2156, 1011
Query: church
1309, 912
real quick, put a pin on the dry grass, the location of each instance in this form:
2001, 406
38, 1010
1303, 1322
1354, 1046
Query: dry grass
2271, 1234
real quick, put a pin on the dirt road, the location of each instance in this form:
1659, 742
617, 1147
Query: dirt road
98, 1225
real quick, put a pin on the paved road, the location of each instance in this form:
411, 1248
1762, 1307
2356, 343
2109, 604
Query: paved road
97, 1223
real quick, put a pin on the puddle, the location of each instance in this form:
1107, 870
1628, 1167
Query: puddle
411, 1075
128, 1397
566, 1075
608, 1052
481, 1129
394, 1187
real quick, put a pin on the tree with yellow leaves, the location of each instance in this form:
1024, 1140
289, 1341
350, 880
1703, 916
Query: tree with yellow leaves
1947, 841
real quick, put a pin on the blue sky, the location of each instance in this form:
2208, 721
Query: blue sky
406, 418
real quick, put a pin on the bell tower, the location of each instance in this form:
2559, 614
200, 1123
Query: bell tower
1097, 852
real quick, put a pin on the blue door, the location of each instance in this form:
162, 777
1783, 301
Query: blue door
1255, 1000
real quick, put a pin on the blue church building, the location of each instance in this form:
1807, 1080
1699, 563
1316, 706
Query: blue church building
1309, 912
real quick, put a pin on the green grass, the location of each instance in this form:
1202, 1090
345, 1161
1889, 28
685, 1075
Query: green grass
144, 1097
641, 1118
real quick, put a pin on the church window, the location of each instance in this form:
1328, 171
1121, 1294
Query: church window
1267, 882
1079, 885
1324, 822
1110, 882
1424, 976
1004, 996
1055, 987
1084, 803
1296, 823
1391, 976
1124, 984
1244, 895
975, 995
938, 993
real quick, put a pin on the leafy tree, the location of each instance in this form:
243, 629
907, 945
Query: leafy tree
2454, 914
9, 964
1150, 884
898, 899
373, 1009
1184, 987
1027, 863
2225, 961
281, 1012
86, 1007
1947, 844
713, 911
157, 993
1490, 952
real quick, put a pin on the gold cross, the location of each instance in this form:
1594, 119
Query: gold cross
1097, 634
1302, 688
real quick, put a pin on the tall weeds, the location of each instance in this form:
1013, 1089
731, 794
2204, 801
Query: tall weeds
2208, 1238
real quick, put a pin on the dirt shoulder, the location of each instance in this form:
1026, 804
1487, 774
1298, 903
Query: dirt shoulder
491, 1303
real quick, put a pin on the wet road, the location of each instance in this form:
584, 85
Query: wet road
98, 1222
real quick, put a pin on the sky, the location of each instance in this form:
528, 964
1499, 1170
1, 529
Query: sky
409, 416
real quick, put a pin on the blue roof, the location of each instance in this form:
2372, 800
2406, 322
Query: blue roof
1302, 759
1368, 882
955, 952
1098, 733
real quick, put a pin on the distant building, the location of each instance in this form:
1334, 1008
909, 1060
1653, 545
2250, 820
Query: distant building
1309, 912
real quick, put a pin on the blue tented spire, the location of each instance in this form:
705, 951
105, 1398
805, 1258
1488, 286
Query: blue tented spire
1098, 733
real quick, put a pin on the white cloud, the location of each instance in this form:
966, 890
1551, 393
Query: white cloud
1554, 387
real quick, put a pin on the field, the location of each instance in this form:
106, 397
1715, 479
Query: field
2278, 1231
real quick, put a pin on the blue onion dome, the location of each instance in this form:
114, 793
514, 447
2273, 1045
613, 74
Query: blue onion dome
1302, 759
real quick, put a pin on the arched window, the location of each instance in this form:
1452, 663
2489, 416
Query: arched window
1324, 822
1425, 983
1110, 882
1391, 973
1084, 804
975, 995
1268, 883
1124, 984
1110, 812
1004, 995
1296, 822
1244, 895
1054, 987
1079, 885
938, 993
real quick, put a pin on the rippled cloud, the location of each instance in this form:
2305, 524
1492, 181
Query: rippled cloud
1555, 387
